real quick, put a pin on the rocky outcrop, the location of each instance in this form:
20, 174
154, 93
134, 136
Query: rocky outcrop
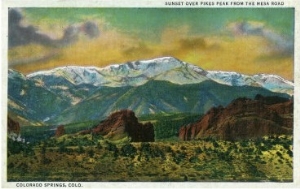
243, 118
121, 124
12, 126
60, 131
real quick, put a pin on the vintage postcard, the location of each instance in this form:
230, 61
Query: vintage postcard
158, 94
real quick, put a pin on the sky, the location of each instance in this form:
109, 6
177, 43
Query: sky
245, 40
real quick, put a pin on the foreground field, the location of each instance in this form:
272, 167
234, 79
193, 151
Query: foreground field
95, 159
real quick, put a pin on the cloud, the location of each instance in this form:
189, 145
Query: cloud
211, 52
19, 35
196, 43
278, 43
138, 50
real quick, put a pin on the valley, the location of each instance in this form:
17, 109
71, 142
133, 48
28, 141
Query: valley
149, 120
95, 151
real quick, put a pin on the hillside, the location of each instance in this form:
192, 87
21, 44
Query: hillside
157, 97
243, 118
266, 159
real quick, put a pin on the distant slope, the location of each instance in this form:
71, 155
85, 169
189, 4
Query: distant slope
166, 126
28, 99
158, 97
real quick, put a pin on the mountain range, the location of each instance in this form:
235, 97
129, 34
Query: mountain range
163, 85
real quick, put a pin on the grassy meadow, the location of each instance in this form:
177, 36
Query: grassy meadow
93, 158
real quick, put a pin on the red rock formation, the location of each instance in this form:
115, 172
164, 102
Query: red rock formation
12, 126
242, 118
124, 123
60, 130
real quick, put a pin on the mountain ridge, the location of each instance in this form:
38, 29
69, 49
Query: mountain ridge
153, 97
127, 74
271, 82
136, 73
145, 86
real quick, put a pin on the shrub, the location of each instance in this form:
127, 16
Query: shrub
157, 152
279, 154
198, 150
151, 151
179, 157
128, 150
215, 144
194, 159
168, 149
99, 146
183, 148
244, 143
113, 148
15, 147
224, 156
91, 153
80, 149
145, 147
290, 153
286, 146
62, 148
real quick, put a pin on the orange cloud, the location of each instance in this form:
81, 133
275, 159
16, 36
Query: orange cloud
245, 54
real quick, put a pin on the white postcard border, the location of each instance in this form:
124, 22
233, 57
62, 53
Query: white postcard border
154, 4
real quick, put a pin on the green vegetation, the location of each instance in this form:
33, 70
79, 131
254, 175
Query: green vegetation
36, 134
166, 126
15, 147
92, 158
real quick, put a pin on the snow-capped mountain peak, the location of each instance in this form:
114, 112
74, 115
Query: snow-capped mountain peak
137, 73
230, 78
271, 82
131, 73
273, 78
149, 67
